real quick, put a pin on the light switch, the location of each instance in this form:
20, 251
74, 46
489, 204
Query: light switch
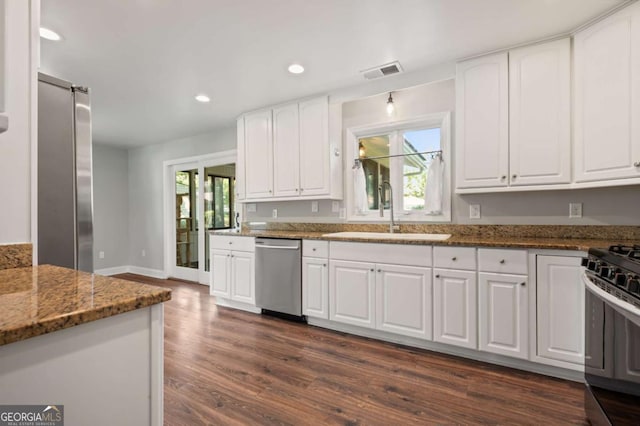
314, 207
274, 213
335, 207
251, 208
101, 255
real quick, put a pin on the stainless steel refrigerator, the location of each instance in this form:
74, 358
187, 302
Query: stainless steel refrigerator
65, 200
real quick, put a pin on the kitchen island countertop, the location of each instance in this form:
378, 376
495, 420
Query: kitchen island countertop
42, 299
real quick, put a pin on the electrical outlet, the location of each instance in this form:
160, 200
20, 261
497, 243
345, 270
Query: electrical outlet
314, 207
274, 213
343, 213
575, 210
335, 207
144, 253
101, 255
474, 211
251, 208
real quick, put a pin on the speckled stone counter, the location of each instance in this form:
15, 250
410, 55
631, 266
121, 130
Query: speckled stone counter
43, 299
551, 237
15, 255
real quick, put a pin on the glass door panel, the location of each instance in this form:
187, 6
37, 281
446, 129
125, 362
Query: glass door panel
186, 223
218, 201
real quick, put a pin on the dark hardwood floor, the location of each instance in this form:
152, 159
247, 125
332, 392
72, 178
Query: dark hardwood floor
226, 367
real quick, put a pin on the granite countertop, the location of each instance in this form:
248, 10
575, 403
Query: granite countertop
580, 244
43, 299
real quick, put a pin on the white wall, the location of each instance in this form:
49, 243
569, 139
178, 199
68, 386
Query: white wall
602, 206
146, 193
15, 144
111, 206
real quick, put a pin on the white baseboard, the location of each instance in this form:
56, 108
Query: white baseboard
147, 272
112, 271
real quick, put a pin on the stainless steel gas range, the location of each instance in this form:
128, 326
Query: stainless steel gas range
612, 335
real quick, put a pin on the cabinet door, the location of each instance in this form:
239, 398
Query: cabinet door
539, 114
352, 293
239, 185
243, 282
560, 309
607, 98
220, 275
403, 300
258, 164
314, 147
315, 287
286, 146
482, 127
503, 318
454, 308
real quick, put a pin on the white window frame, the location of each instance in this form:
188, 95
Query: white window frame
353, 134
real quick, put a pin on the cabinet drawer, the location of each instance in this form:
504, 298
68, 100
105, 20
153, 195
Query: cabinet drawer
312, 248
455, 257
224, 242
394, 254
502, 261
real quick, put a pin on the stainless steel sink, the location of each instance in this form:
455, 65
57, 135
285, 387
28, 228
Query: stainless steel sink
388, 236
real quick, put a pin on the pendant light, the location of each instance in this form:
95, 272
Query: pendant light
390, 106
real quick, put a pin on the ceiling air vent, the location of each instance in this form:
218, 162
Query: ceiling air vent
382, 70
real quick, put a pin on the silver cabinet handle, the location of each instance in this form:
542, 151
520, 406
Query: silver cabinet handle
636, 164
502, 261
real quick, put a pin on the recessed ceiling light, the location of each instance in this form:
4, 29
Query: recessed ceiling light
202, 98
296, 69
49, 34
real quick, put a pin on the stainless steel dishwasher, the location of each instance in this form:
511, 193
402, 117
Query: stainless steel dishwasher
279, 277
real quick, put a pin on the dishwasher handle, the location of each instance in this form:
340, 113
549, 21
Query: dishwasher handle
277, 247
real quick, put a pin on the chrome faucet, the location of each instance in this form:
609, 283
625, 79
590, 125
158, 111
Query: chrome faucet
392, 226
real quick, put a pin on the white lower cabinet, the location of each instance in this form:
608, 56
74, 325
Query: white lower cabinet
454, 307
403, 300
315, 287
233, 268
352, 293
560, 309
503, 314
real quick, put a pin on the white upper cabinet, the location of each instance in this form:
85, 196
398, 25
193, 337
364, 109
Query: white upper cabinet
286, 148
285, 153
540, 114
513, 119
607, 98
314, 147
482, 114
239, 186
258, 154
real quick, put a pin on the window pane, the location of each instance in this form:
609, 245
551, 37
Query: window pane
375, 171
186, 234
415, 167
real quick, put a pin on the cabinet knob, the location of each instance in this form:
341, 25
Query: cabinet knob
514, 176
301, 189
636, 164
231, 255
270, 191
313, 249
502, 261
523, 283
230, 242
379, 270
371, 270
454, 258
503, 177
437, 275
324, 264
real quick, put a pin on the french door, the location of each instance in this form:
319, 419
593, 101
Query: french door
199, 198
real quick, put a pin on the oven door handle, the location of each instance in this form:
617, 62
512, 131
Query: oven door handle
628, 310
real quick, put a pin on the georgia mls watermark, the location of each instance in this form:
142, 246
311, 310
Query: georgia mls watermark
31, 415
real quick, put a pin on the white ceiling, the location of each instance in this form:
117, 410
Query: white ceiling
145, 60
